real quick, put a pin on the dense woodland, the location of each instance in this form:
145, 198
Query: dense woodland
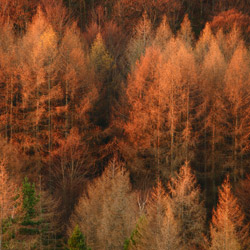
124, 124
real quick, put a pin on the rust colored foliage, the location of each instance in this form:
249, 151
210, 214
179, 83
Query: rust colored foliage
19, 12
128, 12
228, 230
243, 194
227, 19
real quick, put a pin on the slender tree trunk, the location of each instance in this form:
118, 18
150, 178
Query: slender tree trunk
67, 112
213, 163
50, 139
187, 126
1, 219
235, 147
6, 111
40, 206
172, 129
205, 142
158, 134
37, 109
11, 109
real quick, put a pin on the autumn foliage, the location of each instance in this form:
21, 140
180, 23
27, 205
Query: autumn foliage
119, 121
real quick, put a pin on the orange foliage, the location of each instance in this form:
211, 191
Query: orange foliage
243, 194
228, 230
227, 19
19, 12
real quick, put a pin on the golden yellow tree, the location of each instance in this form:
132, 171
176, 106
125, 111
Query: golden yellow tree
106, 214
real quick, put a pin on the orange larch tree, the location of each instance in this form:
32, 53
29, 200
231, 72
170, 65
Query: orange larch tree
228, 229
178, 75
144, 129
187, 207
243, 195
214, 112
238, 96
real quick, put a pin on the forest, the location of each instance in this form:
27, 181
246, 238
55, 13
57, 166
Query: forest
124, 125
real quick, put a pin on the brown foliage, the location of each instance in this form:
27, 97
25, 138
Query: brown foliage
226, 20
128, 12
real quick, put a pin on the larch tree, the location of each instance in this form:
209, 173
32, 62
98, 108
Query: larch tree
231, 19
186, 33
163, 34
228, 42
237, 93
243, 195
18, 12
38, 75
10, 85
187, 207
108, 204
103, 65
179, 76
160, 229
41, 91
203, 44
57, 15
77, 81
228, 229
144, 132
213, 108
141, 39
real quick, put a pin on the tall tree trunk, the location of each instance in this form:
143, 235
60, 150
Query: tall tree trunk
235, 147
172, 129
213, 163
158, 135
49, 127
187, 126
67, 112
11, 109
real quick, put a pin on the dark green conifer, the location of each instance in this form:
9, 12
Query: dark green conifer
30, 200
